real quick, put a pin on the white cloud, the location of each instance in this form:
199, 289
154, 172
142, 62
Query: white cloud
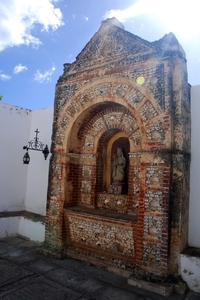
4, 77
19, 68
18, 20
44, 77
167, 12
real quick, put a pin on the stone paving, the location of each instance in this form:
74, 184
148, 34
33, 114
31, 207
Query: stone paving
27, 274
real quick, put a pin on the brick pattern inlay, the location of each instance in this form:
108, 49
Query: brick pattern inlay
154, 176
147, 111
102, 235
108, 120
155, 132
152, 253
153, 215
112, 202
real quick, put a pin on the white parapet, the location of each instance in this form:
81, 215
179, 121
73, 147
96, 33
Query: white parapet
189, 269
19, 225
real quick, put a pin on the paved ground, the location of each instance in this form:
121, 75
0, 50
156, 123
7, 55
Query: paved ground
27, 274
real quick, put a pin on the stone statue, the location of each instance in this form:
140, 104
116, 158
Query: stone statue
119, 163
118, 185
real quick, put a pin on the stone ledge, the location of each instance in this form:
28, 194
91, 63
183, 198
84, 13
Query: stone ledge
152, 287
121, 272
22, 213
159, 288
180, 288
97, 259
47, 250
102, 213
191, 251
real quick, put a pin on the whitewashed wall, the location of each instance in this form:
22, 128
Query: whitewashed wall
37, 179
23, 187
15, 125
189, 266
194, 208
19, 225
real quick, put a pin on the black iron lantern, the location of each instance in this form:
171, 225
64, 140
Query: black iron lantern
26, 158
35, 144
45, 152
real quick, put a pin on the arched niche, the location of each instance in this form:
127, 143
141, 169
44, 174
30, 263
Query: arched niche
93, 140
108, 143
121, 141
93, 98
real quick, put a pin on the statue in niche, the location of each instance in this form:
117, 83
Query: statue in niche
118, 173
119, 163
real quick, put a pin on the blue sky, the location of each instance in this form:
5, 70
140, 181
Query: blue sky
38, 36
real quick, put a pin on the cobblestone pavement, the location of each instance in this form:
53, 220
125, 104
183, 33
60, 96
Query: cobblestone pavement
27, 274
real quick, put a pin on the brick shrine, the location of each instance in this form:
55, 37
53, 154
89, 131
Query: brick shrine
121, 92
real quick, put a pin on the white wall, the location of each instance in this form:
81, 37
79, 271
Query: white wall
35, 231
194, 207
13, 226
9, 226
23, 187
189, 266
15, 125
189, 269
37, 179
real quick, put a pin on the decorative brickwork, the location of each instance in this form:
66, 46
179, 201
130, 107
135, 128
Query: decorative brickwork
102, 235
153, 201
121, 92
112, 202
152, 254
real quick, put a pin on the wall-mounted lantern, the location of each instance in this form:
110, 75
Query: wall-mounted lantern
35, 144
26, 158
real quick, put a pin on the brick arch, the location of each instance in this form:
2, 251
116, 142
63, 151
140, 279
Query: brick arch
117, 119
119, 91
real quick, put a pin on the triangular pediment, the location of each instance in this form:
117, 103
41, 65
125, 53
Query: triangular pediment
111, 43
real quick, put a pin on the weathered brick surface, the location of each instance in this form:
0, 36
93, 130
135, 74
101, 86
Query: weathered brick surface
122, 92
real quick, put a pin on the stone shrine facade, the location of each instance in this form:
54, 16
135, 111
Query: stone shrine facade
122, 92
